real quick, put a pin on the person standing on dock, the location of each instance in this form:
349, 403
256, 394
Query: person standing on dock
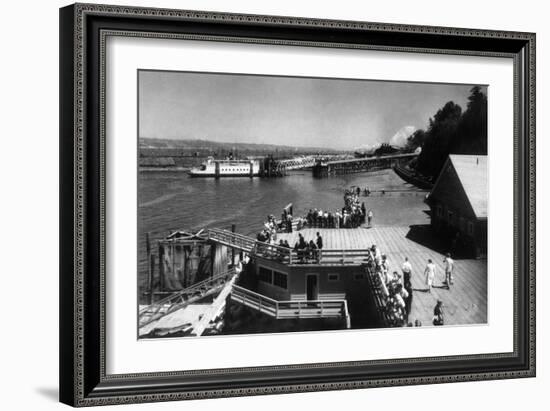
429, 272
439, 318
385, 270
409, 299
302, 248
406, 268
449, 268
319, 241
370, 215
312, 250
377, 255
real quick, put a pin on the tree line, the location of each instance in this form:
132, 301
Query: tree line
451, 131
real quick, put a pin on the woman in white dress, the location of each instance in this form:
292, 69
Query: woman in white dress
429, 272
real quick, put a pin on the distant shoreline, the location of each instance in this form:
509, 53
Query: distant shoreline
153, 169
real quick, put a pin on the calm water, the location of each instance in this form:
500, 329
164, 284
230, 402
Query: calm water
169, 201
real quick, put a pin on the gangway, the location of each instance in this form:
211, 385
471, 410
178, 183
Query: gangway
183, 298
251, 246
230, 239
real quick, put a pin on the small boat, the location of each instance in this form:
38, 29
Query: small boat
226, 168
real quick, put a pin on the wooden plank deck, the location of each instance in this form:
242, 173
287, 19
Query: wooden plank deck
464, 303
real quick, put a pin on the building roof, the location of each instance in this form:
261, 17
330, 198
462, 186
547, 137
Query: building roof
472, 173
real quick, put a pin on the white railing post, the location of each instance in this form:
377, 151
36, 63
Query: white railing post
346, 314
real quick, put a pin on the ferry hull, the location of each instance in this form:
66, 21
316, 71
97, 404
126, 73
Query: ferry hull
196, 175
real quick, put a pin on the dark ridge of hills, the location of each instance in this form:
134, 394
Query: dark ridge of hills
198, 144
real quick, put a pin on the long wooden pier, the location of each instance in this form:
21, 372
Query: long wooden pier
358, 165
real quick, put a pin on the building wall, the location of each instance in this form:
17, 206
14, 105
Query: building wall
448, 191
451, 213
273, 291
349, 280
182, 264
447, 220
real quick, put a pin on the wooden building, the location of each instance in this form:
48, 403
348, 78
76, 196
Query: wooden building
458, 204
185, 259
311, 281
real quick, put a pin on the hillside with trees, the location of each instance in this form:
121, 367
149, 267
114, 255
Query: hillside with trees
451, 131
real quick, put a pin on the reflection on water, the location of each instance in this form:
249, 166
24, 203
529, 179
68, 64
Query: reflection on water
169, 201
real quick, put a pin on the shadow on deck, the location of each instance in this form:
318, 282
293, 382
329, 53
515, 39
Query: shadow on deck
424, 235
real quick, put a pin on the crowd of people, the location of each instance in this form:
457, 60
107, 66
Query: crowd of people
269, 231
308, 251
398, 287
352, 215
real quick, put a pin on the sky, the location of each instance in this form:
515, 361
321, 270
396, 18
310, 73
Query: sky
294, 111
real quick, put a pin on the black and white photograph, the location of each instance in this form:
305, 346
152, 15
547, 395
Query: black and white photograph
271, 205
277, 204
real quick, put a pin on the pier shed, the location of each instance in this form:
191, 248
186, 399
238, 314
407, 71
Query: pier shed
187, 258
458, 204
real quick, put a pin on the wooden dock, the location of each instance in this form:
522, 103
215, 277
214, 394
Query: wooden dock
359, 165
464, 303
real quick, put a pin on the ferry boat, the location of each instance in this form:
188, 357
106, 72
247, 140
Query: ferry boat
226, 168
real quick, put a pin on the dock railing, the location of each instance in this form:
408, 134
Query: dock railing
231, 239
250, 245
273, 252
330, 256
380, 294
291, 309
287, 255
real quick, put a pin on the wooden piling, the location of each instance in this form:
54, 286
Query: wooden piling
233, 229
161, 266
149, 271
151, 277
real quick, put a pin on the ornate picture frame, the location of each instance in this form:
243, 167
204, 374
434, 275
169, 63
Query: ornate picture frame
84, 29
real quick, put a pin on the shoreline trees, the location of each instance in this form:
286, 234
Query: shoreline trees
452, 131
